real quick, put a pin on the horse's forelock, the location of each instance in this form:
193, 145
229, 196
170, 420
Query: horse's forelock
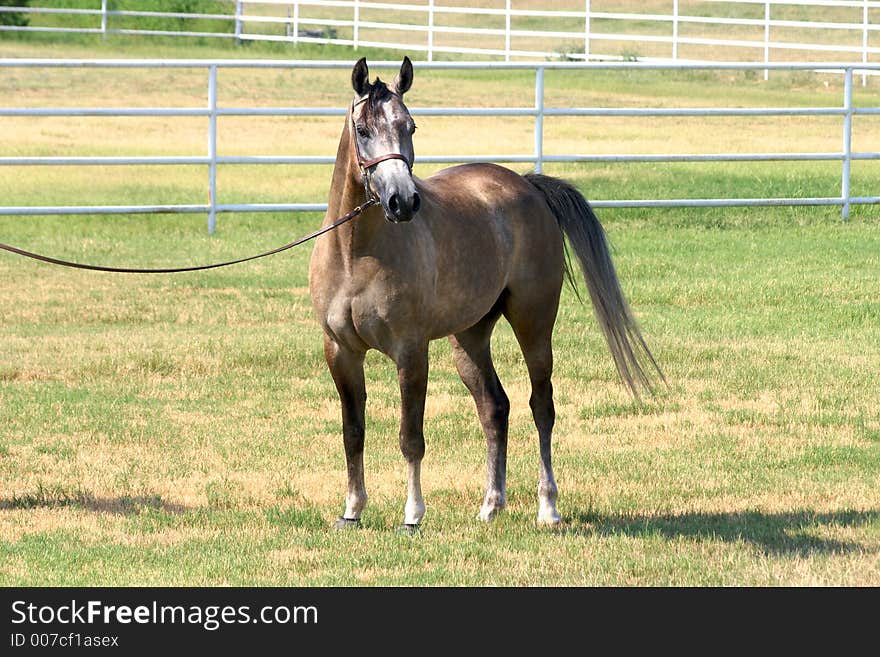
379, 93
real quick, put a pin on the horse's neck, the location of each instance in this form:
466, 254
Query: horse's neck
346, 193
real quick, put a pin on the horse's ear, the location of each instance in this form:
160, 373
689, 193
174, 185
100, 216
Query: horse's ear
360, 77
405, 77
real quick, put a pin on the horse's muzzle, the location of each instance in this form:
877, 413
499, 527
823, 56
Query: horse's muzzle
399, 209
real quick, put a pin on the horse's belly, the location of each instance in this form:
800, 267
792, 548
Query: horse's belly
467, 288
386, 322
458, 316
396, 306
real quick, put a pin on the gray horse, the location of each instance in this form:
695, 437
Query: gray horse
447, 256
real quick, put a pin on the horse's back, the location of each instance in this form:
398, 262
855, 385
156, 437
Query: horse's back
484, 198
468, 185
483, 191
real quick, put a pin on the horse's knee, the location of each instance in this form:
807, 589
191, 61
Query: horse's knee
412, 447
353, 441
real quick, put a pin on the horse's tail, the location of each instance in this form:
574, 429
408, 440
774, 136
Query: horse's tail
587, 237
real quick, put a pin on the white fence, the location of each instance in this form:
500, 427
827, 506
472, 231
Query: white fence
213, 109
758, 30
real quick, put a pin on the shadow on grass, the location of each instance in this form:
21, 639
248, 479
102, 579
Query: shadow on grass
57, 497
789, 533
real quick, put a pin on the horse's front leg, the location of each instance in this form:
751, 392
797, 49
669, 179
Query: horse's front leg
347, 368
412, 375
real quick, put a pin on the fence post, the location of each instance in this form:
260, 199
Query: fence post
674, 29
357, 20
865, 40
238, 13
296, 22
587, 31
766, 39
507, 31
847, 140
430, 30
103, 20
539, 119
212, 149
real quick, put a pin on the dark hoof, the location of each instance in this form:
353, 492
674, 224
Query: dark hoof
410, 530
346, 523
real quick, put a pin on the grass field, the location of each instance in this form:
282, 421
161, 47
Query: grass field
182, 430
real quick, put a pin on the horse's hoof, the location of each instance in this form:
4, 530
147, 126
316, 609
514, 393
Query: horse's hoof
488, 514
346, 523
409, 529
550, 521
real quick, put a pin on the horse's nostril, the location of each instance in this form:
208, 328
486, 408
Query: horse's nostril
394, 204
416, 202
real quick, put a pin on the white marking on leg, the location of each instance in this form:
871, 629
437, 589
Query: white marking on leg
415, 505
356, 498
354, 505
547, 493
496, 475
493, 503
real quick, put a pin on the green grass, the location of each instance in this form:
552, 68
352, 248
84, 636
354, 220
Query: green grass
183, 430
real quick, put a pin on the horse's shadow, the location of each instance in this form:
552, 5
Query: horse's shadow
122, 505
800, 533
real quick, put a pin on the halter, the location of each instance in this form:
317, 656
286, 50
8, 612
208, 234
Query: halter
366, 166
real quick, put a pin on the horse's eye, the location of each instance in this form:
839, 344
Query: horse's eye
414, 128
362, 130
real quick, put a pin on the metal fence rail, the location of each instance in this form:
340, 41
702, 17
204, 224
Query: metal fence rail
212, 110
504, 31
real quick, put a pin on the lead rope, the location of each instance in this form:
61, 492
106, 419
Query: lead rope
172, 270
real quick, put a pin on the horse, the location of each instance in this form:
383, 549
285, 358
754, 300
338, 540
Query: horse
447, 256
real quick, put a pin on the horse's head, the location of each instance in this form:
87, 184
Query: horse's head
383, 130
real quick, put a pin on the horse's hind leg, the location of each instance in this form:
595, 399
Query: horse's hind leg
533, 326
473, 359
347, 369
